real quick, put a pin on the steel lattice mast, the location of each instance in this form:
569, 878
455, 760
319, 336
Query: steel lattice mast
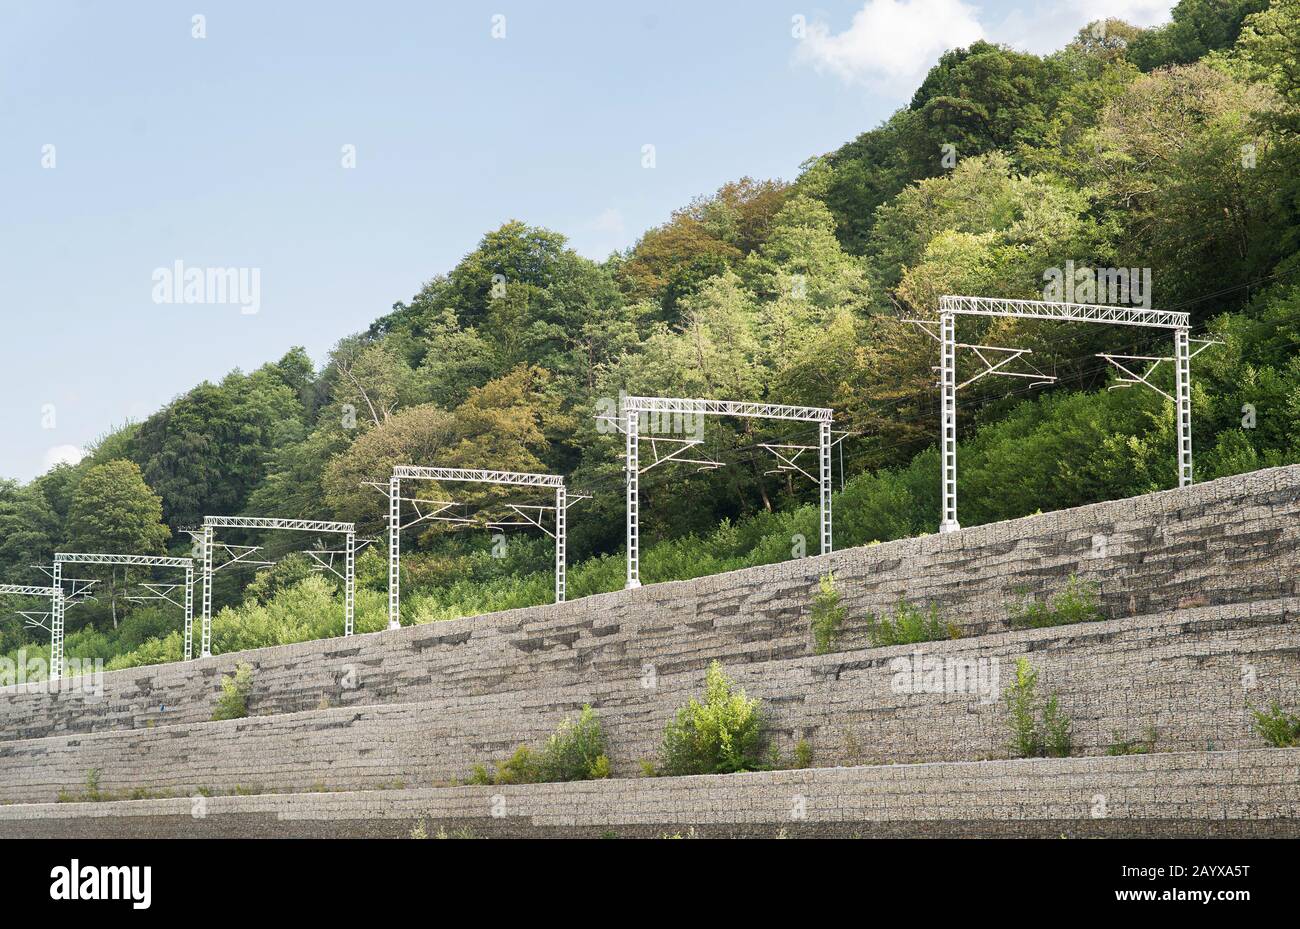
185, 564
635, 407
55, 596
952, 306
465, 475
211, 523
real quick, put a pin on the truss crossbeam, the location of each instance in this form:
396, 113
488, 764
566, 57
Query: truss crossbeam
22, 590
292, 525
478, 476
726, 408
126, 560
1069, 312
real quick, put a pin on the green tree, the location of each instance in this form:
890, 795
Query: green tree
1198, 211
29, 531
114, 512
207, 451
1196, 27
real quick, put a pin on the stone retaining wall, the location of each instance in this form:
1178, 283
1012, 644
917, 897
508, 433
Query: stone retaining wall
1232, 541
1200, 794
1187, 675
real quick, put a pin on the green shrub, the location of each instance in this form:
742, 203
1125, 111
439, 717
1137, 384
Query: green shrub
1038, 728
803, 755
152, 651
576, 751
233, 702
1022, 699
909, 625
1281, 730
520, 768
1078, 603
599, 769
1058, 740
721, 735
828, 616
284, 575
463, 832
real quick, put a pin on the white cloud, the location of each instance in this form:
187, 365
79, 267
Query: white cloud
63, 454
1137, 12
1046, 27
890, 44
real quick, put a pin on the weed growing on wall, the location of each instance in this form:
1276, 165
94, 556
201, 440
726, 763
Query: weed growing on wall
1078, 603
233, 702
827, 616
909, 625
575, 752
1281, 730
1038, 727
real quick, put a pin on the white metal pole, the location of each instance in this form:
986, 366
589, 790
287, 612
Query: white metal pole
633, 475
349, 583
205, 650
948, 418
189, 612
1183, 393
561, 528
395, 553
827, 541
56, 624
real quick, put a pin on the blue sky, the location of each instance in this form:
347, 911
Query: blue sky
227, 151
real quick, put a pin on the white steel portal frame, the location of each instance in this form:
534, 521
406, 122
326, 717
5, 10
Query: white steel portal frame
55, 596
149, 561
952, 306
349, 553
635, 407
474, 476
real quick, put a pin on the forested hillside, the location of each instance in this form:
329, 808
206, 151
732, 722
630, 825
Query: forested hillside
1173, 149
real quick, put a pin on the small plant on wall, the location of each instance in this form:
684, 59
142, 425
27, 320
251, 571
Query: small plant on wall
828, 616
908, 625
1279, 729
233, 702
1038, 727
1080, 602
575, 752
